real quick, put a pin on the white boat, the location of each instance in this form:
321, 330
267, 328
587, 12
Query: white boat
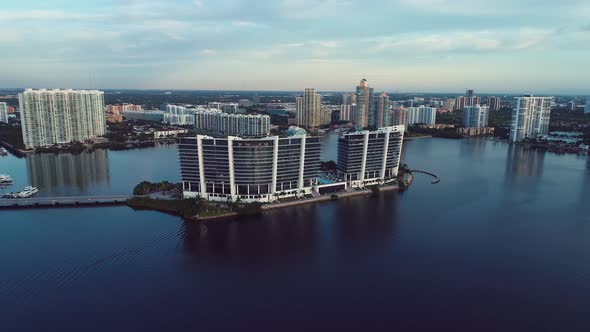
3, 152
5, 179
28, 192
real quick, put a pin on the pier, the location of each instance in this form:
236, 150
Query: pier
48, 202
436, 178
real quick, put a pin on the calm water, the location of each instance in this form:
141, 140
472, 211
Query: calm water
501, 244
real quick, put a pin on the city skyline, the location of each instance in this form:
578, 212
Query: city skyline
410, 46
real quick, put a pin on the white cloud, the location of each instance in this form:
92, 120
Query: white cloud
208, 51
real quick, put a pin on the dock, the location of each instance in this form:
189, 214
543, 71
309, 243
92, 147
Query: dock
74, 201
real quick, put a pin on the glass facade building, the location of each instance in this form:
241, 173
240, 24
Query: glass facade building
249, 170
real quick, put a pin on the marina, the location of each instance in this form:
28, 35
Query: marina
25, 193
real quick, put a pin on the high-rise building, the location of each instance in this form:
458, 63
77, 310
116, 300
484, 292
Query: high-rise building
469, 93
61, 116
230, 107
215, 105
571, 106
179, 115
309, 108
587, 108
348, 99
325, 117
399, 116
383, 116
460, 103
216, 122
249, 170
3, 112
494, 103
530, 117
449, 104
476, 116
422, 115
370, 157
256, 99
120, 109
347, 112
365, 106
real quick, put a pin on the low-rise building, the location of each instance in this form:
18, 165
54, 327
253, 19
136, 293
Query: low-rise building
476, 131
169, 133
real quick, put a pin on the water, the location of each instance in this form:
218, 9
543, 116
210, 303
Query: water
500, 244
96, 173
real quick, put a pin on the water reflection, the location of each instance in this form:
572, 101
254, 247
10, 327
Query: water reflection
475, 147
294, 233
68, 174
275, 235
523, 161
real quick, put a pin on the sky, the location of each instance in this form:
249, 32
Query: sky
504, 46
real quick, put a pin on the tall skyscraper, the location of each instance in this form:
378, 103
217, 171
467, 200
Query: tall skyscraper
3, 112
469, 93
494, 103
256, 99
61, 116
587, 108
309, 108
399, 116
422, 115
530, 118
365, 106
449, 104
383, 116
476, 116
460, 103
347, 112
348, 99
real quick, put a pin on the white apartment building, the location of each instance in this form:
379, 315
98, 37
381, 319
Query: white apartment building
530, 117
370, 157
179, 115
217, 122
61, 116
476, 116
422, 114
309, 108
3, 112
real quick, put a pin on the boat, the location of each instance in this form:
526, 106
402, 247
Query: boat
5, 179
3, 152
28, 192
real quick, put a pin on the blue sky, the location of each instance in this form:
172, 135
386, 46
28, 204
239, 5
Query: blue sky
502, 46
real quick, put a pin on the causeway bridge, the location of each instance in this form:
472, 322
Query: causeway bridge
46, 202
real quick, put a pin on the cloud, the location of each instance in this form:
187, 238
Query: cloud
36, 15
208, 51
466, 41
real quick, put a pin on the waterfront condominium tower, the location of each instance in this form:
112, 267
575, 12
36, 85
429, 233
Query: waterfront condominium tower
383, 118
460, 102
587, 108
365, 107
370, 157
530, 117
309, 108
421, 115
476, 116
3, 112
215, 122
61, 116
399, 116
494, 103
249, 170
